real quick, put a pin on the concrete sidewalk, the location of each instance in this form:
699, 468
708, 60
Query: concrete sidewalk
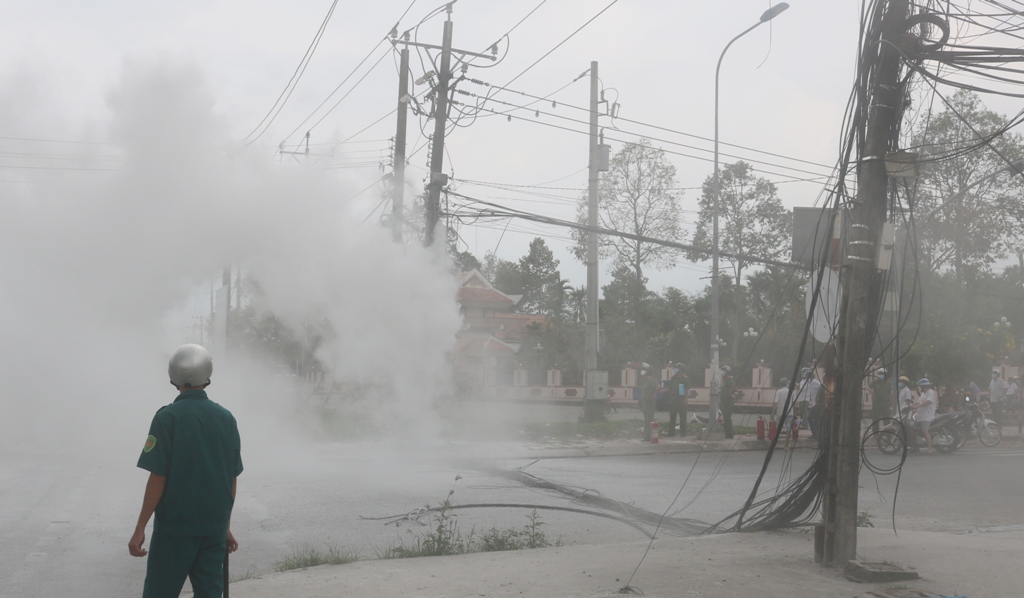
977, 564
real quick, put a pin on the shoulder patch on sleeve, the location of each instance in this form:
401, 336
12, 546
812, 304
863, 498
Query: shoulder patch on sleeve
150, 443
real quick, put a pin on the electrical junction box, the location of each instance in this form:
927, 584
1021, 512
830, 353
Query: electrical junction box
885, 245
597, 385
604, 152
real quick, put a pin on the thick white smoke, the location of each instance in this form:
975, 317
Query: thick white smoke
99, 268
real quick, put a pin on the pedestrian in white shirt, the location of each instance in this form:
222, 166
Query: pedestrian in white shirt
905, 397
924, 412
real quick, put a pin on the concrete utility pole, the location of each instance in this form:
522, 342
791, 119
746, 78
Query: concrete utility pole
596, 383
398, 163
866, 216
226, 281
238, 289
438, 178
444, 76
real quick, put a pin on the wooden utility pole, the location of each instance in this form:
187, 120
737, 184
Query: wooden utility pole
866, 217
398, 163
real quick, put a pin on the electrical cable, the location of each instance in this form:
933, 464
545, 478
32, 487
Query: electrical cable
349, 76
289, 87
641, 123
559, 44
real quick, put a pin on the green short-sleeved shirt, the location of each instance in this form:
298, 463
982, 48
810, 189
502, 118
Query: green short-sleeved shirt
194, 443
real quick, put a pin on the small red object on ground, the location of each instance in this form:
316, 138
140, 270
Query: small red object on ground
654, 432
760, 428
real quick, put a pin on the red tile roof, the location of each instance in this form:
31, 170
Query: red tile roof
478, 294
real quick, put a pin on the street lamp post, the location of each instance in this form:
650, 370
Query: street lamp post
768, 15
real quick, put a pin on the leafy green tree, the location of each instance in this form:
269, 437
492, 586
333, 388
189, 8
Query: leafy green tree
535, 276
635, 196
967, 219
576, 305
752, 222
463, 261
949, 333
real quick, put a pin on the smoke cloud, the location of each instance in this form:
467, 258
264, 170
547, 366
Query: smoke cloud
103, 268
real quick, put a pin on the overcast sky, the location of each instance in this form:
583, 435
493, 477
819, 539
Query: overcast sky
784, 89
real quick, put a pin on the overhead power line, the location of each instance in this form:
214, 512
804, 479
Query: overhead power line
816, 178
559, 44
660, 140
289, 87
636, 122
349, 76
35, 139
499, 211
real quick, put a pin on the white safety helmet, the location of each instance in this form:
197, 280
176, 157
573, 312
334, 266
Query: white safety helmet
191, 365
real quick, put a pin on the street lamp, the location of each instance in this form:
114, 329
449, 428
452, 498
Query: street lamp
768, 15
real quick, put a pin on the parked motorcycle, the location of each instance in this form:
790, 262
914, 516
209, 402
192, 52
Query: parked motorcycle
976, 425
944, 429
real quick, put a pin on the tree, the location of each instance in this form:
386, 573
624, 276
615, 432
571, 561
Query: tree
463, 261
577, 305
636, 196
752, 222
978, 221
535, 276
954, 340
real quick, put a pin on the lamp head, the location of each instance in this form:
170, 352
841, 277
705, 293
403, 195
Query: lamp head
774, 11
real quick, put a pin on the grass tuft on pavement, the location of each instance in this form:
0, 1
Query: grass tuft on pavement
311, 556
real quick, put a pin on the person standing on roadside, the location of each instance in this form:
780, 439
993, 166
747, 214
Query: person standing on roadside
779, 403
807, 395
193, 454
924, 413
677, 400
727, 398
974, 391
881, 398
648, 397
905, 396
996, 395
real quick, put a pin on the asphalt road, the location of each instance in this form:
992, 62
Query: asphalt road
65, 520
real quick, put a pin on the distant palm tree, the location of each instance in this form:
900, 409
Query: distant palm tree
557, 292
578, 304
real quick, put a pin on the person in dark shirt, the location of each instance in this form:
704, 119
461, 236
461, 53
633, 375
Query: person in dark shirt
648, 396
677, 400
193, 454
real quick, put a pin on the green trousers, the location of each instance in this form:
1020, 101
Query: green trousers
648, 410
173, 558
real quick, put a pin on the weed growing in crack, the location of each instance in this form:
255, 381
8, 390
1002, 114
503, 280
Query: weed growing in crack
310, 556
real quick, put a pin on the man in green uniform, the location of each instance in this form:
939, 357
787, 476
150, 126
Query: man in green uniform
881, 398
677, 400
727, 397
193, 456
648, 397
